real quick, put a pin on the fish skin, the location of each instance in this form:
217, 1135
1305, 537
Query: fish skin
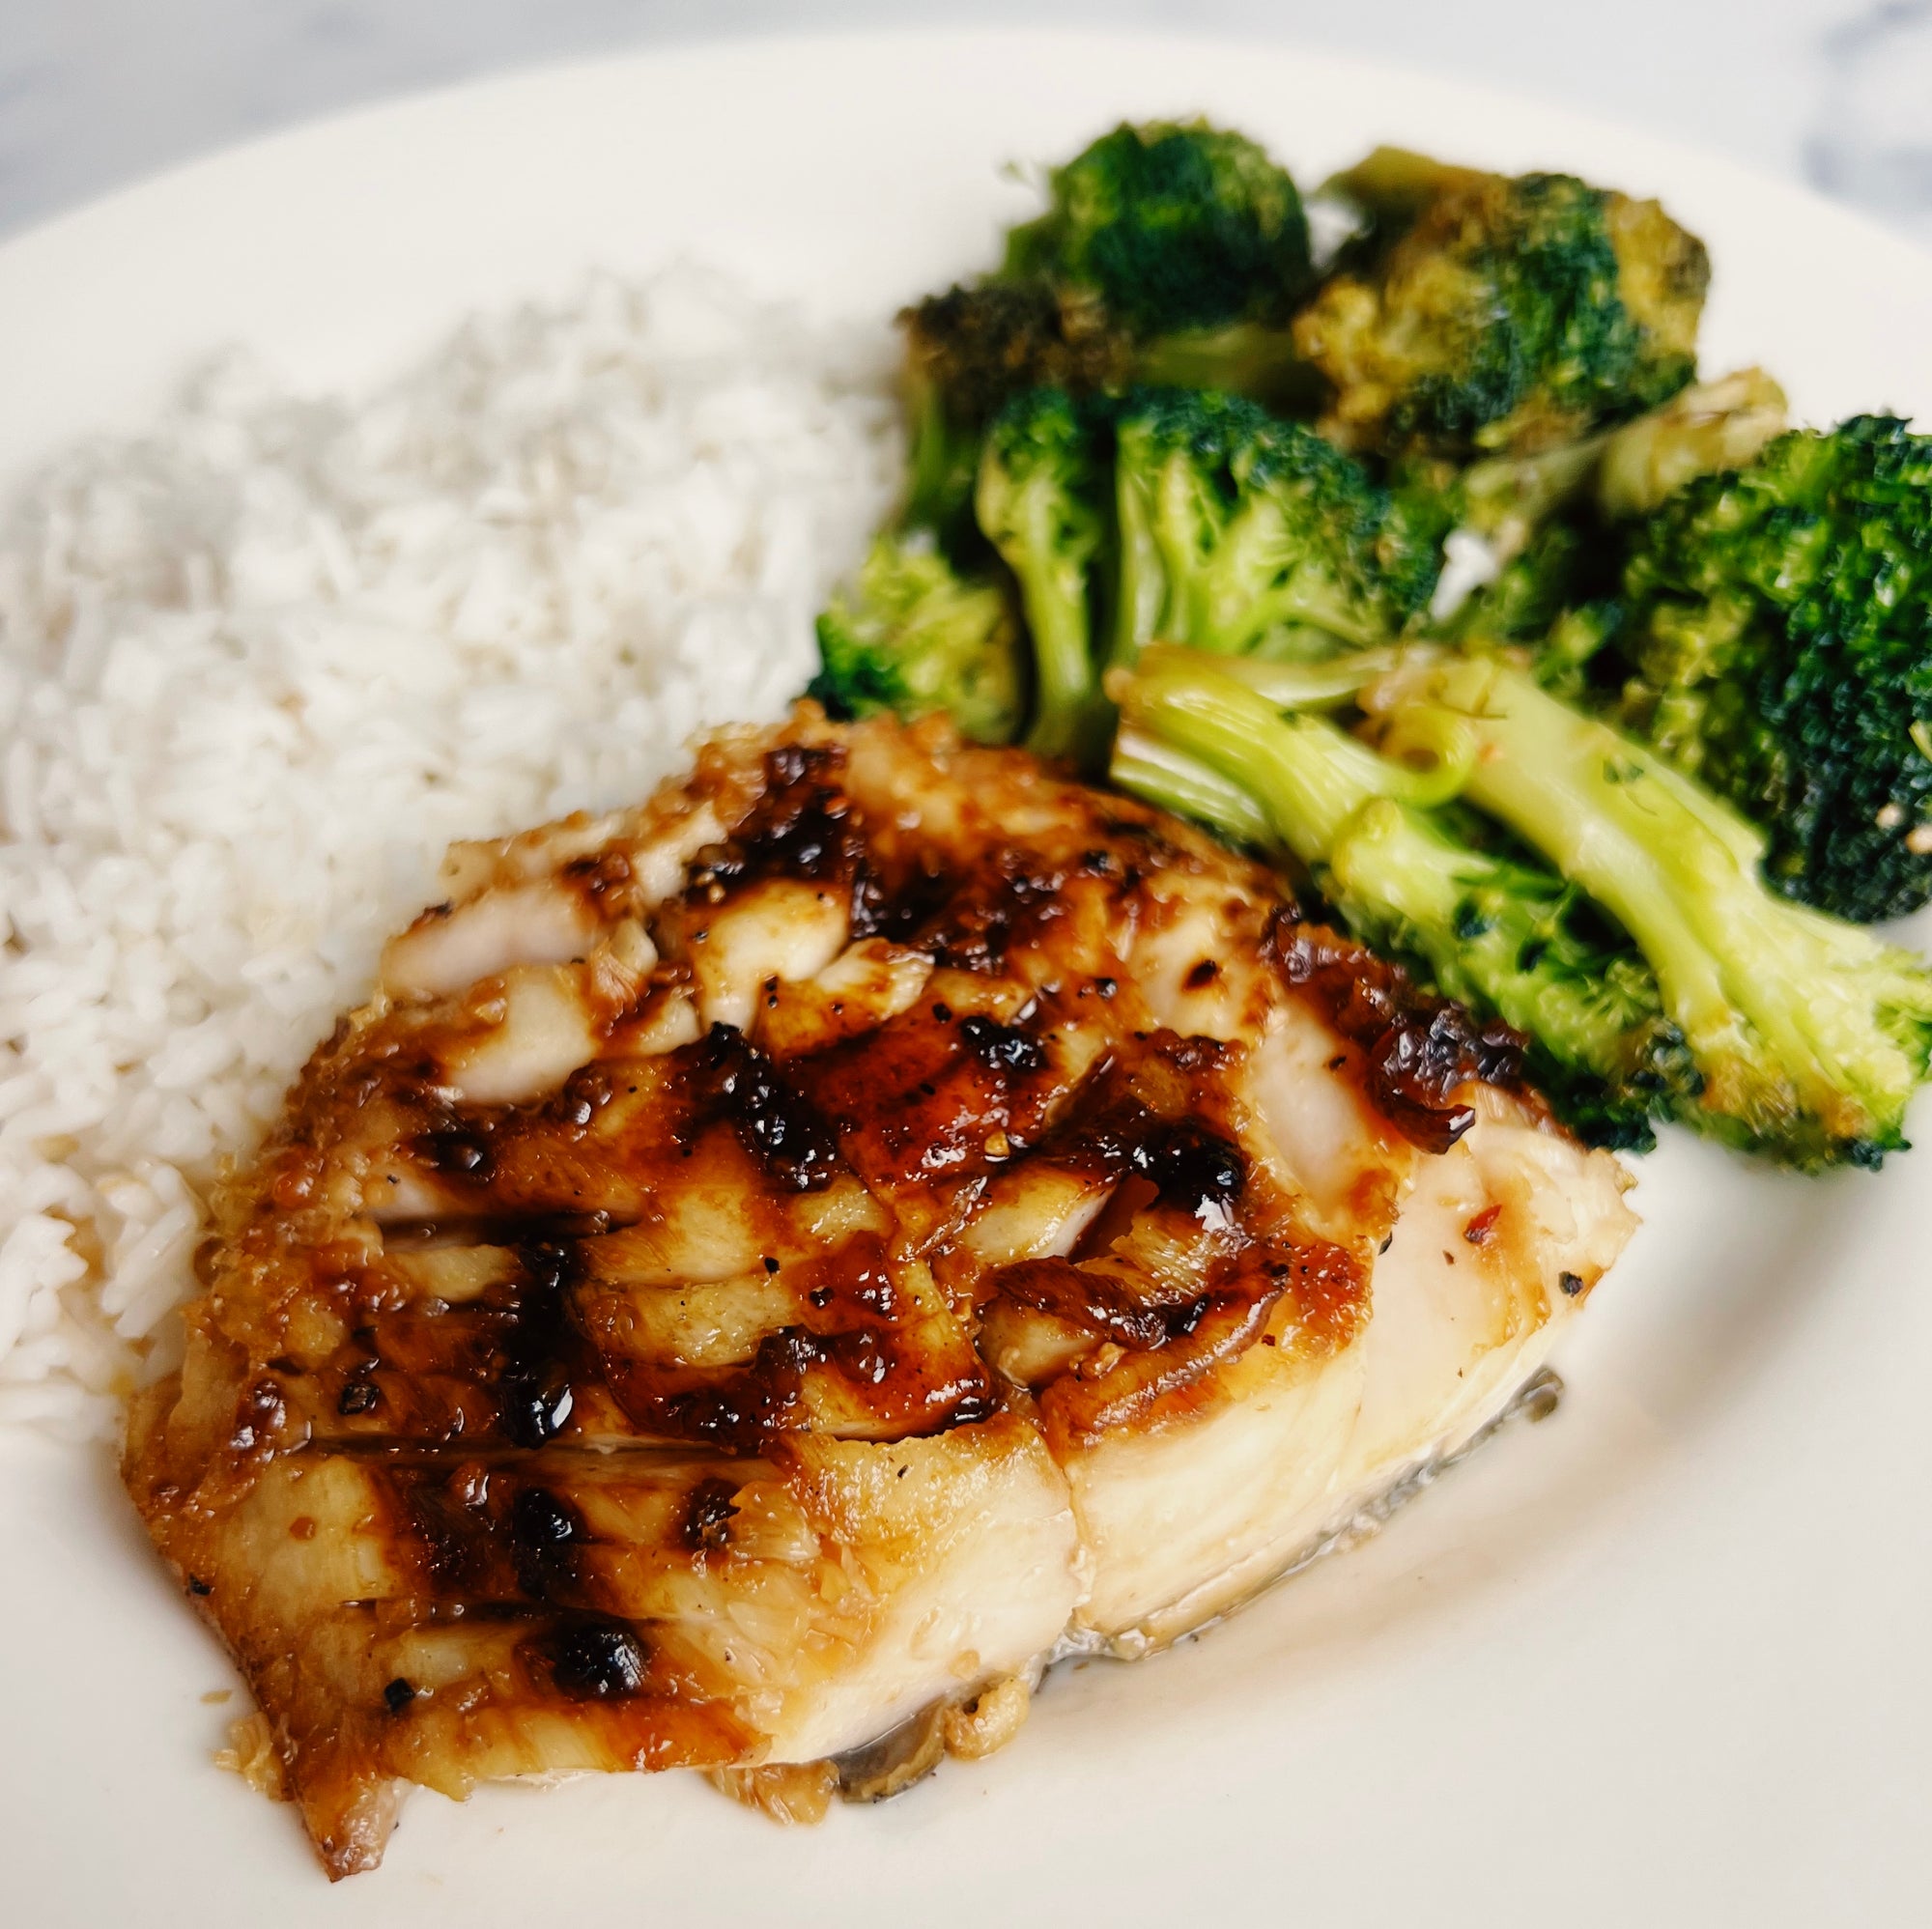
793, 1256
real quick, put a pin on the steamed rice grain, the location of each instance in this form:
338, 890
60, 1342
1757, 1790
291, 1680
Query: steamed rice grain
260, 666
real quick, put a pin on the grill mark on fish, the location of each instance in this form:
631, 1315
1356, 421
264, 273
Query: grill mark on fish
776, 1124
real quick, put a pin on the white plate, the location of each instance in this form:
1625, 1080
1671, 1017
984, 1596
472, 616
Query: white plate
1663, 1657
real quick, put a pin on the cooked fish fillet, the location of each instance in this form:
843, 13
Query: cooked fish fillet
768, 1269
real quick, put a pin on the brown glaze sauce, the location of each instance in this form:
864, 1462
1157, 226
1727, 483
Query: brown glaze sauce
1421, 1051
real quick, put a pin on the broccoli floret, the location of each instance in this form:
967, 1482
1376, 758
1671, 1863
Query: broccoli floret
1214, 741
911, 634
1780, 640
1176, 227
1707, 429
1809, 1036
968, 353
1145, 764
1041, 503
1542, 537
1620, 473
1170, 253
1707, 999
1238, 531
1494, 315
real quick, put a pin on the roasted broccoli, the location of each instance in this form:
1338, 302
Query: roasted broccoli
911, 634
1168, 254
1146, 764
1041, 500
1240, 533
1779, 636
1537, 554
1809, 1036
968, 353
1615, 474
1237, 746
1176, 227
1488, 315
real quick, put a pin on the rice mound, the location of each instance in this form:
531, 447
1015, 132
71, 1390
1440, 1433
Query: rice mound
260, 666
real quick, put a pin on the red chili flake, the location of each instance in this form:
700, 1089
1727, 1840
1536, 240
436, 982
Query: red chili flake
1477, 1231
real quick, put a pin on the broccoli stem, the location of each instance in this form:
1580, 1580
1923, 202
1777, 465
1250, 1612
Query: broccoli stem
1308, 777
1068, 713
1626, 472
1250, 358
1807, 1034
1329, 684
1034, 501
1152, 768
940, 463
1225, 608
1506, 496
1139, 579
1494, 935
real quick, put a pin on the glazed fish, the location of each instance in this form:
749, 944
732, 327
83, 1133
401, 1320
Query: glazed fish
770, 1270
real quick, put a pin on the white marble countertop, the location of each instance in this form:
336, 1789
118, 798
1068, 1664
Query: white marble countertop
96, 92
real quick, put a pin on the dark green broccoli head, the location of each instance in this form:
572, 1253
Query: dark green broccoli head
1236, 528
1503, 315
911, 634
1170, 253
1174, 226
1781, 632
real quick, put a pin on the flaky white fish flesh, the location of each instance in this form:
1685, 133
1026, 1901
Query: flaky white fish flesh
768, 1269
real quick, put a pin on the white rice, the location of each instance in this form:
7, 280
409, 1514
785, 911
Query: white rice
258, 667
